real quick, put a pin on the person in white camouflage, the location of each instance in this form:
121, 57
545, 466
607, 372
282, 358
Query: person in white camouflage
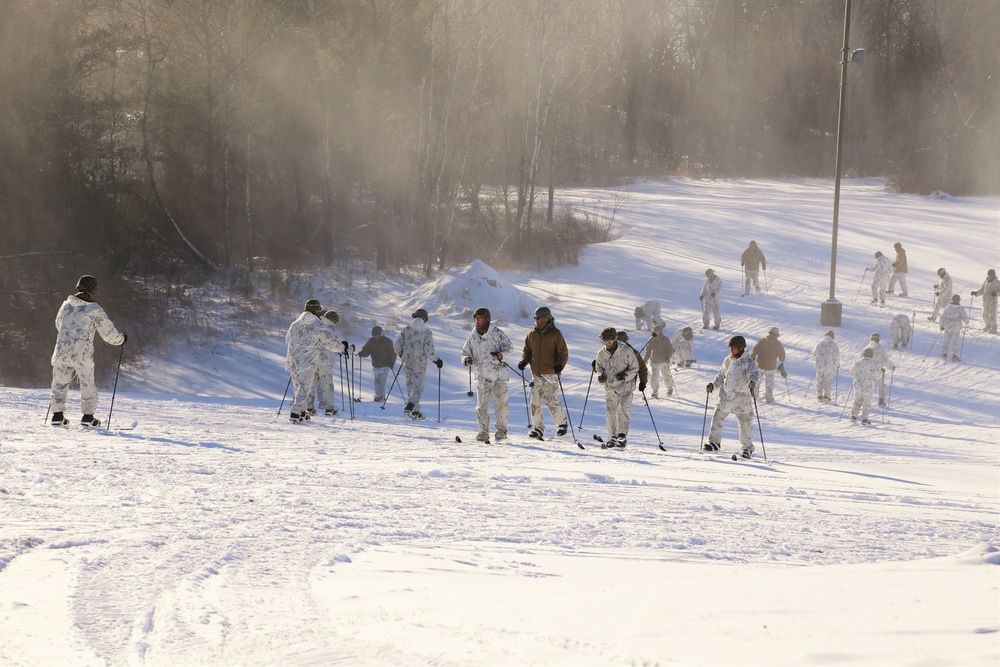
304, 340
617, 367
415, 346
683, 342
659, 350
546, 352
953, 319
647, 314
826, 361
866, 374
942, 294
736, 381
882, 361
900, 331
78, 319
484, 351
328, 360
711, 298
989, 291
881, 271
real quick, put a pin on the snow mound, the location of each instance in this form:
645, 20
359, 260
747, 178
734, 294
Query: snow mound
984, 553
458, 292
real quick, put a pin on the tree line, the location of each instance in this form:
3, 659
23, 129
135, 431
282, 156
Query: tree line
183, 137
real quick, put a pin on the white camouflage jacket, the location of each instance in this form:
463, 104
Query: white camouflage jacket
621, 361
826, 354
415, 345
734, 376
711, 289
480, 349
865, 373
76, 322
304, 339
879, 356
954, 316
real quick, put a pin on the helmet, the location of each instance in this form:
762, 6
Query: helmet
658, 329
831, 334
543, 311
991, 272
875, 337
956, 298
421, 313
312, 305
639, 312
709, 272
376, 330
688, 333
609, 333
482, 312
941, 272
332, 316
868, 352
738, 341
86, 284
623, 336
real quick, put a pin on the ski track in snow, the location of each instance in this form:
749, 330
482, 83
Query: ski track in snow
182, 540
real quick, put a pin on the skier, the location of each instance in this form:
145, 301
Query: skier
882, 362
643, 372
648, 314
880, 277
736, 381
769, 352
545, 350
659, 350
415, 345
865, 373
952, 320
826, 361
752, 260
899, 271
326, 362
942, 292
711, 296
900, 331
617, 366
989, 291
78, 319
484, 350
683, 342
380, 349
305, 337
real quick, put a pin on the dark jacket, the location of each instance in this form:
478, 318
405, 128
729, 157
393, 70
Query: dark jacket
545, 349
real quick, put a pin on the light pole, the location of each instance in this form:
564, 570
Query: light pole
831, 310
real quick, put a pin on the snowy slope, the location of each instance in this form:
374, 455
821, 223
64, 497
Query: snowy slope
215, 533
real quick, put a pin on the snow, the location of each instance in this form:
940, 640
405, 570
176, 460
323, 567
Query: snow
216, 533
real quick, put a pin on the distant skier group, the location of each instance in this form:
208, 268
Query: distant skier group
314, 343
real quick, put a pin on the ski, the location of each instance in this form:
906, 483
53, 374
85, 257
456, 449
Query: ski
604, 444
485, 442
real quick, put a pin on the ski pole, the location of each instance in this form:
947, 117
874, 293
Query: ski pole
439, 395
392, 386
653, 421
836, 391
863, 276
569, 419
283, 397
121, 351
587, 397
340, 358
753, 395
806, 393
847, 402
888, 398
470, 382
933, 345
704, 421
350, 387
524, 390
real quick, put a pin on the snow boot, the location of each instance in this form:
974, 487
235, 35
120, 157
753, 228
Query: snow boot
712, 447
561, 430
58, 419
330, 412
408, 410
90, 422
500, 435
483, 436
620, 441
536, 434
866, 422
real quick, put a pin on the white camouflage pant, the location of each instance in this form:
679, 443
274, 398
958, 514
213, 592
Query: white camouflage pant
767, 379
304, 382
863, 402
545, 388
952, 337
62, 376
740, 406
901, 279
824, 382
416, 378
495, 390
710, 306
325, 386
618, 405
655, 371
381, 377
751, 276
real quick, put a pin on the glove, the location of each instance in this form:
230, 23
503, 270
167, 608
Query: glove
942, 328
935, 287
602, 378
352, 348
593, 365
710, 388
620, 376
439, 363
883, 371
344, 343
124, 338
557, 368
498, 356
521, 364
467, 361
937, 293
781, 369
642, 386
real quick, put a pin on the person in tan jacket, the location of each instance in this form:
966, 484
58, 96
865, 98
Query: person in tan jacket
899, 272
546, 352
769, 352
659, 350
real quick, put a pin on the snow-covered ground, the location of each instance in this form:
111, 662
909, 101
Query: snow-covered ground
216, 533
